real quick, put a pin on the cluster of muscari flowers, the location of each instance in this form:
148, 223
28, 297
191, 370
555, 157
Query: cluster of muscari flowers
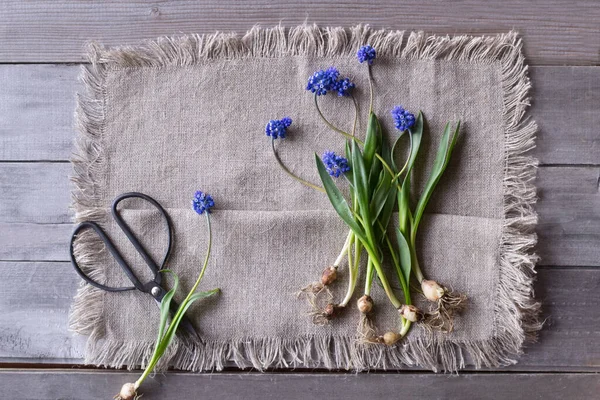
343, 87
202, 202
403, 119
277, 128
366, 53
324, 81
335, 165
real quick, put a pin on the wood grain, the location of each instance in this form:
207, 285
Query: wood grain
37, 104
34, 299
34, 241
569, 209
82, 385
565, 104
562, 42
37, 297
35, 193
556, 31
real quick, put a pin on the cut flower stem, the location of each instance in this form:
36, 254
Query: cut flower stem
166, 334
335, 128
290, 173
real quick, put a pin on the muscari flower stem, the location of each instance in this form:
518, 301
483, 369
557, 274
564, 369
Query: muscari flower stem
415, 264
368, 244
355, 116
396, 261
405, 326
395, 177
290, 173
353, 265
369, 277
370, 88
380, 273
157, 355
333, 127
345, 249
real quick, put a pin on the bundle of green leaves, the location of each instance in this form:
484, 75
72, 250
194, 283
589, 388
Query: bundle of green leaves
377, 188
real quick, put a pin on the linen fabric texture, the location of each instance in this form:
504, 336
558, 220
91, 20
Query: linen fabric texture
176, 115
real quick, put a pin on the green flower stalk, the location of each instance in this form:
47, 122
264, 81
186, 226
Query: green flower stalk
202, 203
371, 207
277, 128
377, 187
447, 303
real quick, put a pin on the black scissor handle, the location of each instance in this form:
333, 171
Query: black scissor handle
130, 235
115, 253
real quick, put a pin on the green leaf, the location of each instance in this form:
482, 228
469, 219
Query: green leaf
380, 195
361, 185
388, 208
440, 156
442, 159
404, 207
405, 259
404, 213
416, 133
372, 140
202, 295
384, 148
348, 153
386, 214
170, 335
374, 175
165, 305
392, 161
337, 199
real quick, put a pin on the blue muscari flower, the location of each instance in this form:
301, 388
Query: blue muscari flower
277, 128
335, 165
366, 53
343, 87
202, 202
323, 81
402, 118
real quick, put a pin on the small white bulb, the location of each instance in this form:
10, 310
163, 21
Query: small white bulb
431, 290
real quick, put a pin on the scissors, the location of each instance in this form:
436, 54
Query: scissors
153, 287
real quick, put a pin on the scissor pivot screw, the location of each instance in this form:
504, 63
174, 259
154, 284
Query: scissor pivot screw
155, 291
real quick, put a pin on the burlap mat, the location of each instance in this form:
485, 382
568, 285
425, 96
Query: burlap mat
176, 115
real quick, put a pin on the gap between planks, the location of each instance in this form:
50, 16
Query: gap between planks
555, 31
44, 384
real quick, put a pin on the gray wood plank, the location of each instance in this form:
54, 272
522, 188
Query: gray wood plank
63, 384
34, 299
37, 104
569, 215
35, 193
34, 241
37, 297
571, 309
569, 209
557, 31
565, 104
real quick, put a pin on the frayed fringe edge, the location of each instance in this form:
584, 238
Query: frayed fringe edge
517, 313
331, 352
87, 312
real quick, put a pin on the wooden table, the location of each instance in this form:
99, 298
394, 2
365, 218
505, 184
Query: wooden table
41, 43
